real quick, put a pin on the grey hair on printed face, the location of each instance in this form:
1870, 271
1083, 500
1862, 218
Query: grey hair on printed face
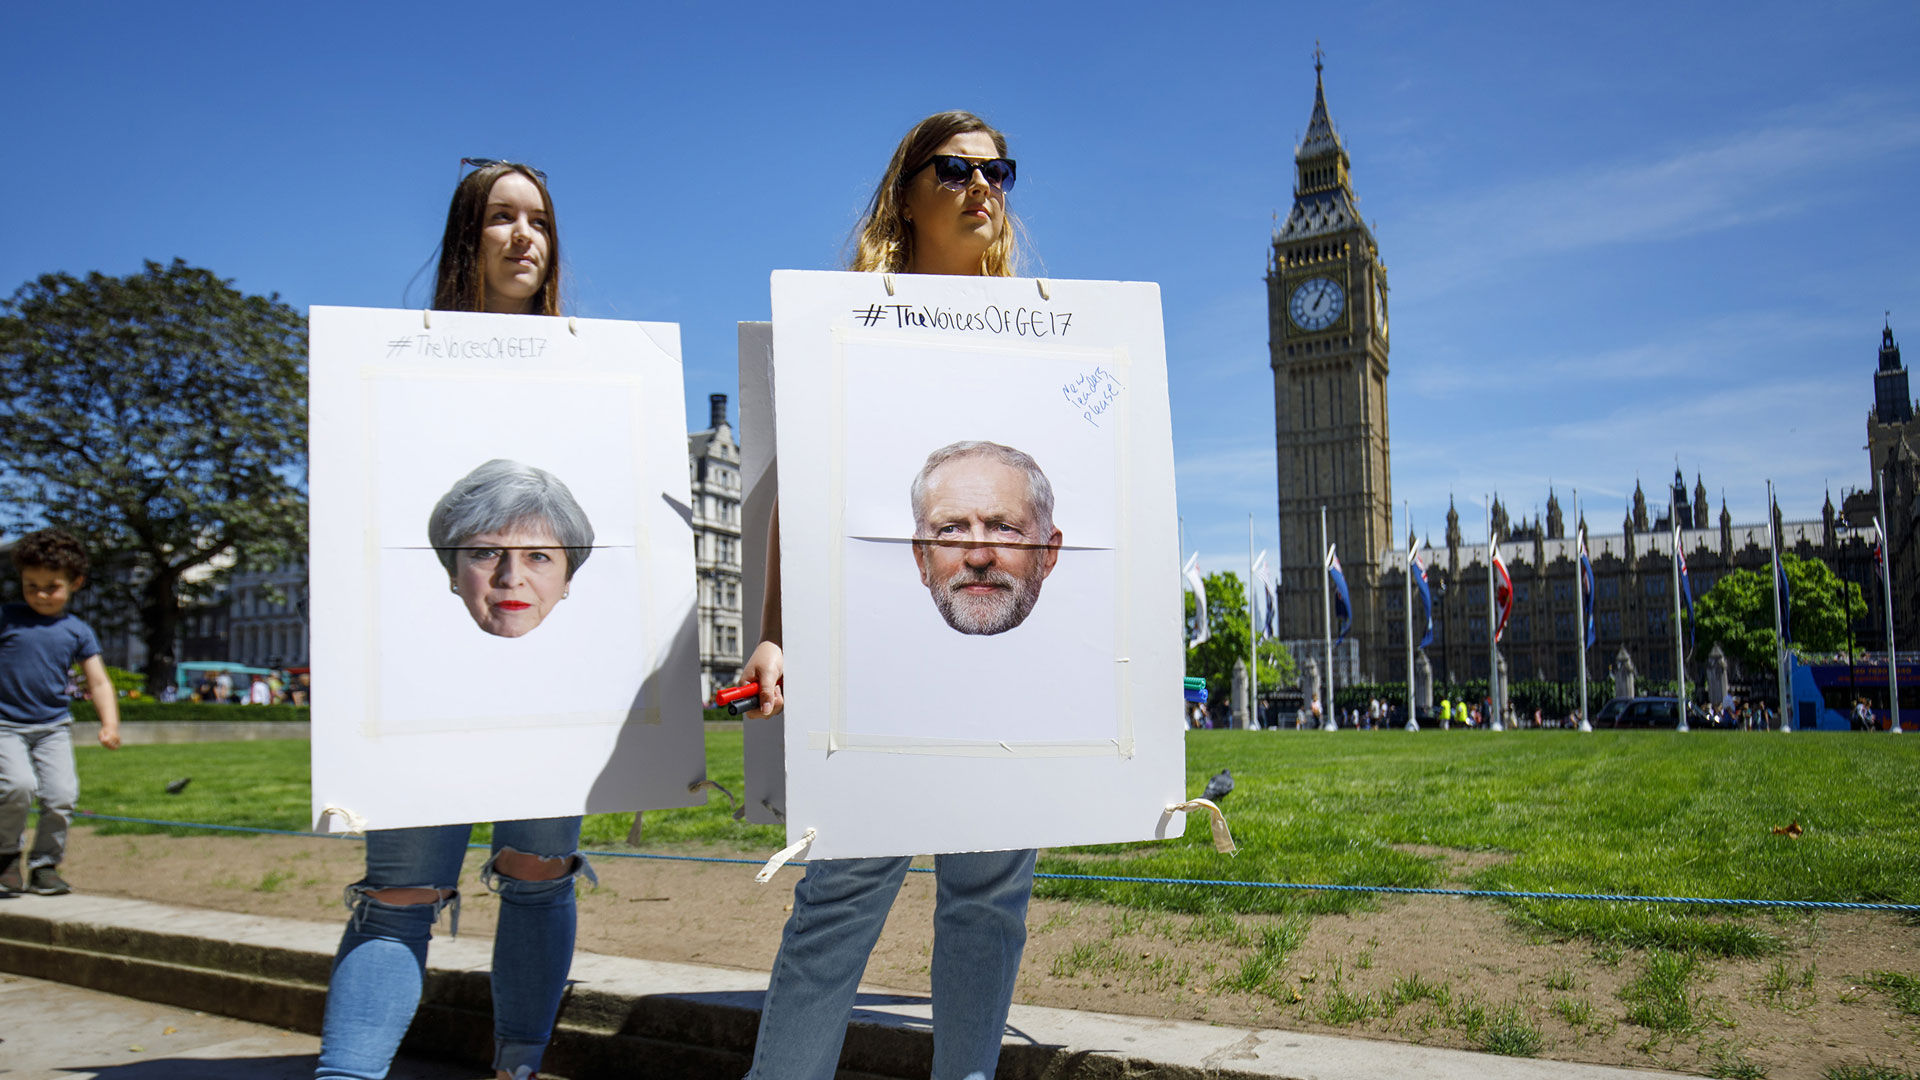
1039, 490
501, 494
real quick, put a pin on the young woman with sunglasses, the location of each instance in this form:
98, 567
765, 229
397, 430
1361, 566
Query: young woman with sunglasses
941, 208
500, 253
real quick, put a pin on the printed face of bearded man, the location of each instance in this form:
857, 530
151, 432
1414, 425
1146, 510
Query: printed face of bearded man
984, 539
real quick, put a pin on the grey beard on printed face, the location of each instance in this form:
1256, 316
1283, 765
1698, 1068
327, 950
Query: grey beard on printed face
995, 613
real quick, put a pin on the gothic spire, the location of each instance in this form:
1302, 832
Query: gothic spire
1321, 138
1323, 198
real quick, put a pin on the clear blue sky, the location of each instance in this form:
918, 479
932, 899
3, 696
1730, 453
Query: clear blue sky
1615, 233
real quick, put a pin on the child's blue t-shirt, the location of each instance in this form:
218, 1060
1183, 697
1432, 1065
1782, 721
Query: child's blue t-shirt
35, 653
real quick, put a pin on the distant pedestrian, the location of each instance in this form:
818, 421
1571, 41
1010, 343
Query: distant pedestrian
222, 688
258, 692
39, 642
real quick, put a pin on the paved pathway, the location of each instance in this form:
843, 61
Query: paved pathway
52, 1031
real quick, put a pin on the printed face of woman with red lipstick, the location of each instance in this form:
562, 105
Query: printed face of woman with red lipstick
512, 578
514, 245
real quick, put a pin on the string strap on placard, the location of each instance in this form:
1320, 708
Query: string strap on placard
356, 825
780, 857
426, 318
1045, 293
573, 326
887, 280
1217, 821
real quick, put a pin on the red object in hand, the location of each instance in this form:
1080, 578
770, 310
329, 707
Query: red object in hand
734, 693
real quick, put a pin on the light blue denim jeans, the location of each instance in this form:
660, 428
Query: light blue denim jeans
36, 760
381, 965
979, 932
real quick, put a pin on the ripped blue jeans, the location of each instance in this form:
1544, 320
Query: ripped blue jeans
381, 964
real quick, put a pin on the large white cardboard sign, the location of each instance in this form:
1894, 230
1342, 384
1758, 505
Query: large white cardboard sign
501, 574
977, 519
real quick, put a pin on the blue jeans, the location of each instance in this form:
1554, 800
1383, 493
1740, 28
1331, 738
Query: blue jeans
381, 965
979, 932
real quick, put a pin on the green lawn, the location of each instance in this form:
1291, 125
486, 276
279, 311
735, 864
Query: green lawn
1618, 812
264, 784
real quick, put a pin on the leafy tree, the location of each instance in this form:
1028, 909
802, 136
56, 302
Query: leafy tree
1738, 612
161, 417
1227, 641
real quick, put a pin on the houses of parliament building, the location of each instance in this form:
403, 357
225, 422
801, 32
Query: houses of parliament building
1329, 347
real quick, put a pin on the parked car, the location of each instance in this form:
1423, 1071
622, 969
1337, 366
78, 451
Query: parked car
1654, 712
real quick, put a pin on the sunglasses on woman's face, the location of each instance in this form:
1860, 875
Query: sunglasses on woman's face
483, 162
956, 172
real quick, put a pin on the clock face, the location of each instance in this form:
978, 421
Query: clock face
1380, 295
1316, 303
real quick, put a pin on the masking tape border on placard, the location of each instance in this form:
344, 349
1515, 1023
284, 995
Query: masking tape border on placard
837, 738
836, 551
1123, 560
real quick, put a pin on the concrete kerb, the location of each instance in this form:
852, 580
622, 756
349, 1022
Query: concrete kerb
625, 1017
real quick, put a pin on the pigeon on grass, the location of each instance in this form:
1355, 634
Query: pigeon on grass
178, 786
1219, 787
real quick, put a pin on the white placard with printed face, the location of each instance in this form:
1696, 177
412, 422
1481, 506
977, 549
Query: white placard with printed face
501, 574
978, 546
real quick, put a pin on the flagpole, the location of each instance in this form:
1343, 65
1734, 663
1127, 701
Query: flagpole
1253, 640
1580, 605
1886, 591
1679, 631
1779, 637
1327, 722
1413, 549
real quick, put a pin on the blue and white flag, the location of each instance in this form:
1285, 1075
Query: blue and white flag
1426, 594
1587, 590
1686, 583
1342, 605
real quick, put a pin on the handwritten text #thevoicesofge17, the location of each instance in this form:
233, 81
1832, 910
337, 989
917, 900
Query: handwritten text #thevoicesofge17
1013, 322
449, 347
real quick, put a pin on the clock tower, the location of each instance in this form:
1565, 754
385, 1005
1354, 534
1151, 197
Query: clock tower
1327, 339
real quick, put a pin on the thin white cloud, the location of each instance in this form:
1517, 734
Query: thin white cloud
1777, 169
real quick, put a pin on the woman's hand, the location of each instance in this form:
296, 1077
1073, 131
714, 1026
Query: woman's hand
765, 666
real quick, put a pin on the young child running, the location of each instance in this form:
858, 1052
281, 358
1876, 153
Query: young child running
39, 641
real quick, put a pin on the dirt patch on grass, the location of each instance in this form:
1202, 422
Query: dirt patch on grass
1437, 970
1456, 865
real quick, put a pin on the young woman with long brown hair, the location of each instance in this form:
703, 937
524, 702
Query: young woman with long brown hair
501, 254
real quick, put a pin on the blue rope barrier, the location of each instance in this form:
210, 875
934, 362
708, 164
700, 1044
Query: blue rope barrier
1394, 890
